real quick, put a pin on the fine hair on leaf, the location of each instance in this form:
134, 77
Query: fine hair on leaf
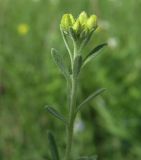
56, 114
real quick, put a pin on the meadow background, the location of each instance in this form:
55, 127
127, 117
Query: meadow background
110, 126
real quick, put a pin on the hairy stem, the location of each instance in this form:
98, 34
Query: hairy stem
71, 119
72, 108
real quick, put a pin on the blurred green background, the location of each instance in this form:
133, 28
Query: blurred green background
110, 127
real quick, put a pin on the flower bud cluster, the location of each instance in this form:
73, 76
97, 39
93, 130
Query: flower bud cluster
81, 26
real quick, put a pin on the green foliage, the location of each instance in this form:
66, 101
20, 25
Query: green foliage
29, 80
90, 97
56, 114
53, 147
60, 62
93, 53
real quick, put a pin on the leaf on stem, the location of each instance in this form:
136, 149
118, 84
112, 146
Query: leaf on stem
56, 114
60, 62
93, 53
90, 97
77, 65
53, 146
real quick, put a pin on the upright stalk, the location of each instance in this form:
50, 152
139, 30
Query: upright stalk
71, 119
79, 31
72, 107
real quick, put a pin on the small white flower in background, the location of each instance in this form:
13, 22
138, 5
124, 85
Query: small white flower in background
113, 42
104, 25
79, 126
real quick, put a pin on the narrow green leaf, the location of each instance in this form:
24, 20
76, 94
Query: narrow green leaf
53, 146
93, 53
77, 65
90, 97
96, 49
60, 62
56, 114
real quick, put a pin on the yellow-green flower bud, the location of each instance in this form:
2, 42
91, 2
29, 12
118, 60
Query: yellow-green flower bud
92, 22
67, 21
77, 27
83, 18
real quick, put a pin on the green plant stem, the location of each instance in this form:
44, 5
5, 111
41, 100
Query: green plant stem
75, 48
72, 108
66, 44
71, 118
